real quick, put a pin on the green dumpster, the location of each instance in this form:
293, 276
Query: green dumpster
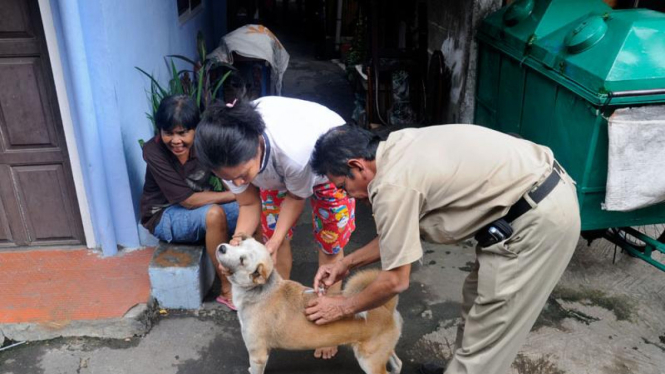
554, 71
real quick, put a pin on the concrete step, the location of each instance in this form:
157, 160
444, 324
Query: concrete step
180, 275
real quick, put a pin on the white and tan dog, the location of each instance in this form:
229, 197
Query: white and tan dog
271, 314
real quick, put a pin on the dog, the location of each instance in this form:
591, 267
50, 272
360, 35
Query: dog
271, 313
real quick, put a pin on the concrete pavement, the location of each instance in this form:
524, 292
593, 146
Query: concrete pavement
606, 319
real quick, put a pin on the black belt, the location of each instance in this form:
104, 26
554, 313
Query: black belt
500, 229
522, 206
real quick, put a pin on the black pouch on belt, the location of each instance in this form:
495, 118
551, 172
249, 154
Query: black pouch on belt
493, 233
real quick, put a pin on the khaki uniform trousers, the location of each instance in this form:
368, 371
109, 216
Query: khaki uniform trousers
511, 281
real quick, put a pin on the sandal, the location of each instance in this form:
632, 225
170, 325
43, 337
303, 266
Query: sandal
228, 302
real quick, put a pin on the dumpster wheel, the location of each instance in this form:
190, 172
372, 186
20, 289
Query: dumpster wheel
640, 241
654, 231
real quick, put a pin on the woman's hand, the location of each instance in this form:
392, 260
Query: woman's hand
235, 241
237, 238
272, 246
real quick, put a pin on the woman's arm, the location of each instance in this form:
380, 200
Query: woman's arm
249, 216
289, 211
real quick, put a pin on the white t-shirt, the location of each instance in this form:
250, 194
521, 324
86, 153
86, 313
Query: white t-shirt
292, 128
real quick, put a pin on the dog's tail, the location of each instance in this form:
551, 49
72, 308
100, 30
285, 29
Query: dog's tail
360, 280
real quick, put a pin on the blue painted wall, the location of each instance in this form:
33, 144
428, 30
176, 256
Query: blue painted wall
107, 92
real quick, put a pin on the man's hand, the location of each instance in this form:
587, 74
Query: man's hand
325, 309
327, 275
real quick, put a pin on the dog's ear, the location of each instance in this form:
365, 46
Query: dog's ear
260, 275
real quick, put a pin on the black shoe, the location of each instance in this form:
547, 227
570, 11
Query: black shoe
429, 368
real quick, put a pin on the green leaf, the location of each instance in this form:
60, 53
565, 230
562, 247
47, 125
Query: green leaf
219, 83
156, 99
153, 80
176, 80
199, 89
216, 183
201, 45
206, 90
181, 57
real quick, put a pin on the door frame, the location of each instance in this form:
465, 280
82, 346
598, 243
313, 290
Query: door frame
67, 122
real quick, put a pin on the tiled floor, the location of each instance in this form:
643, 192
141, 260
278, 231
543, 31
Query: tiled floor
47, 286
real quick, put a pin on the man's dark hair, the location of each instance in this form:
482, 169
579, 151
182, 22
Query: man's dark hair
178, 110
228, 136
337, 146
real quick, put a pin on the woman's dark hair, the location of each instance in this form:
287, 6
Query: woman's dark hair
336, 147
235, 88
178, 110
228, 136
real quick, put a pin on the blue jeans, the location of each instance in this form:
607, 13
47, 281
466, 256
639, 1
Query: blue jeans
182, 225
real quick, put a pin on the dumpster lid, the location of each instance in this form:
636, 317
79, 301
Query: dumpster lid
620, 54
516, 26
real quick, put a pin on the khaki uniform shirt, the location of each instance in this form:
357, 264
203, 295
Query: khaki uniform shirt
444, 183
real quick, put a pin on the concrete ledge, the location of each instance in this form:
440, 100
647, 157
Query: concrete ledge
137, 321
180, 275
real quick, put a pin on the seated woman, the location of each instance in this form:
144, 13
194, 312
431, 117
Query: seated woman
178, 202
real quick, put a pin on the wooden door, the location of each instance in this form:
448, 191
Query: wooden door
38, 203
